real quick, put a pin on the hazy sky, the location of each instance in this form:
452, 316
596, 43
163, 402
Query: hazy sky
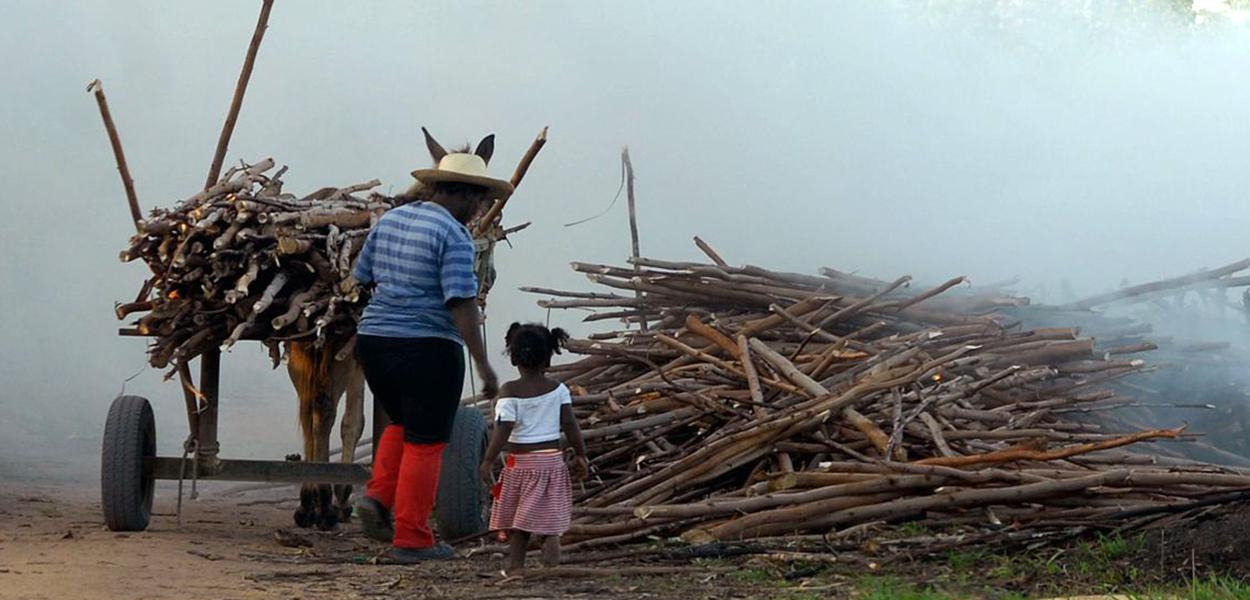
1086, 141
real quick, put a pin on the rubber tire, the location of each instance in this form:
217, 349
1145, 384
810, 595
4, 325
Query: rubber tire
129, 437
459, 507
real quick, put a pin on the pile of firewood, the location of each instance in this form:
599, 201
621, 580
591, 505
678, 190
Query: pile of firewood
1195, 333
750, 403
244, 260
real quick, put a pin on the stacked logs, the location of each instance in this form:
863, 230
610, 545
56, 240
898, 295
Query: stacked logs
245, 260
1194, 330
751, 403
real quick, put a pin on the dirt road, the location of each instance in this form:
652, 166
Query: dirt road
53, 545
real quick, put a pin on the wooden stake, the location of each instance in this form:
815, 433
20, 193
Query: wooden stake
240, 88
484, 224
1017, 454
98, 88
1175, 282
633, 216
720, 262
753, 378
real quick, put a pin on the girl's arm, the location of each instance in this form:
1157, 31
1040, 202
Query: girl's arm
503, 429
568, 423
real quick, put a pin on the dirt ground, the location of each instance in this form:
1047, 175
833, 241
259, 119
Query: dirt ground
53, 545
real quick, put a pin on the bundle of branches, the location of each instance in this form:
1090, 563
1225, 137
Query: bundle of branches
245, 260
753, 403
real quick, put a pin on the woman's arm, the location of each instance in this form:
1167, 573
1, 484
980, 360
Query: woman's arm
568, 423
468, 319
362, 271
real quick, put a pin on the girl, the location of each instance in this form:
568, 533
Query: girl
534, 496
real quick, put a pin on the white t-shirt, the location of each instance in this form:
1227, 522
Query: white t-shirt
536, 419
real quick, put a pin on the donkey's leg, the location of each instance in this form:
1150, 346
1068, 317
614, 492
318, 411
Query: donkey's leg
350, 430
306, 514
324, 413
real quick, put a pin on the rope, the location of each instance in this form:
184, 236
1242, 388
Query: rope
610, 205
131, 378
190, 446
485, 343
485, 350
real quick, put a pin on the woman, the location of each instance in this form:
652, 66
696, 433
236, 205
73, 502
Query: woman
419, 258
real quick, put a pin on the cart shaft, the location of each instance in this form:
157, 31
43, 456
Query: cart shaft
161, 467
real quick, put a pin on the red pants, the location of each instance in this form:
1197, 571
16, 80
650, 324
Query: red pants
405, 481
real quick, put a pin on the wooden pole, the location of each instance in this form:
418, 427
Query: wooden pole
633, 218
484, 224
720, 262
240, 88
115, 140
1156, 286
629, 194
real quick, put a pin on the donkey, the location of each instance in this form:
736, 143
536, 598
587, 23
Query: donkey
320, 380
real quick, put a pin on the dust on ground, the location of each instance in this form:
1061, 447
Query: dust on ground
53, 544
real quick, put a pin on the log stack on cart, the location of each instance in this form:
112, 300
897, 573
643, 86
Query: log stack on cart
246, 260
750, 403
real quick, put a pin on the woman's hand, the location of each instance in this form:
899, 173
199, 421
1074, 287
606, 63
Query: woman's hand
490, 381
487, 472
468, 319
581, 468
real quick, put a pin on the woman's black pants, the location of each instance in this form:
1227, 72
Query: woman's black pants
417, 380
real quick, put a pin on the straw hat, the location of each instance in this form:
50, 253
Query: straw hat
462, 167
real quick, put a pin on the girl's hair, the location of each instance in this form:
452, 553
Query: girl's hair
531, 345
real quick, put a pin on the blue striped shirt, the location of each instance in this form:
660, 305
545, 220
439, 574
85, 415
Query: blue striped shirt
421, 258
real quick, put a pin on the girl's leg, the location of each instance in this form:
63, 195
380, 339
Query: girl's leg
518, 545
551, 551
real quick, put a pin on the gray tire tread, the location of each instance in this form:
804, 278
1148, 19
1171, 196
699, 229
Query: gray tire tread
125, 499
458, 508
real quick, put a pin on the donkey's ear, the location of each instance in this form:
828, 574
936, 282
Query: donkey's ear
436, 149
486, 148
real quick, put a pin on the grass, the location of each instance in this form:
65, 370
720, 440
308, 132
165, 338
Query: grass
913, 529
1105, 564
757, 576
960, 560
1114, 547
893, 588
1209, 588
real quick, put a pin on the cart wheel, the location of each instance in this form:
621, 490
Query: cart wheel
463, 504
126, 491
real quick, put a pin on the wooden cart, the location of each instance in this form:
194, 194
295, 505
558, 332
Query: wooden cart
130, 466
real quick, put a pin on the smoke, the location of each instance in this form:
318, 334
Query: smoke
1070, 143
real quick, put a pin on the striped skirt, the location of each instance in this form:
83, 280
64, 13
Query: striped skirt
534, 494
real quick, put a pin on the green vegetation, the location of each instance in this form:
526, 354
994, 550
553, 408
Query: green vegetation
757, 576
1110, 564
1209, 588
893, 588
